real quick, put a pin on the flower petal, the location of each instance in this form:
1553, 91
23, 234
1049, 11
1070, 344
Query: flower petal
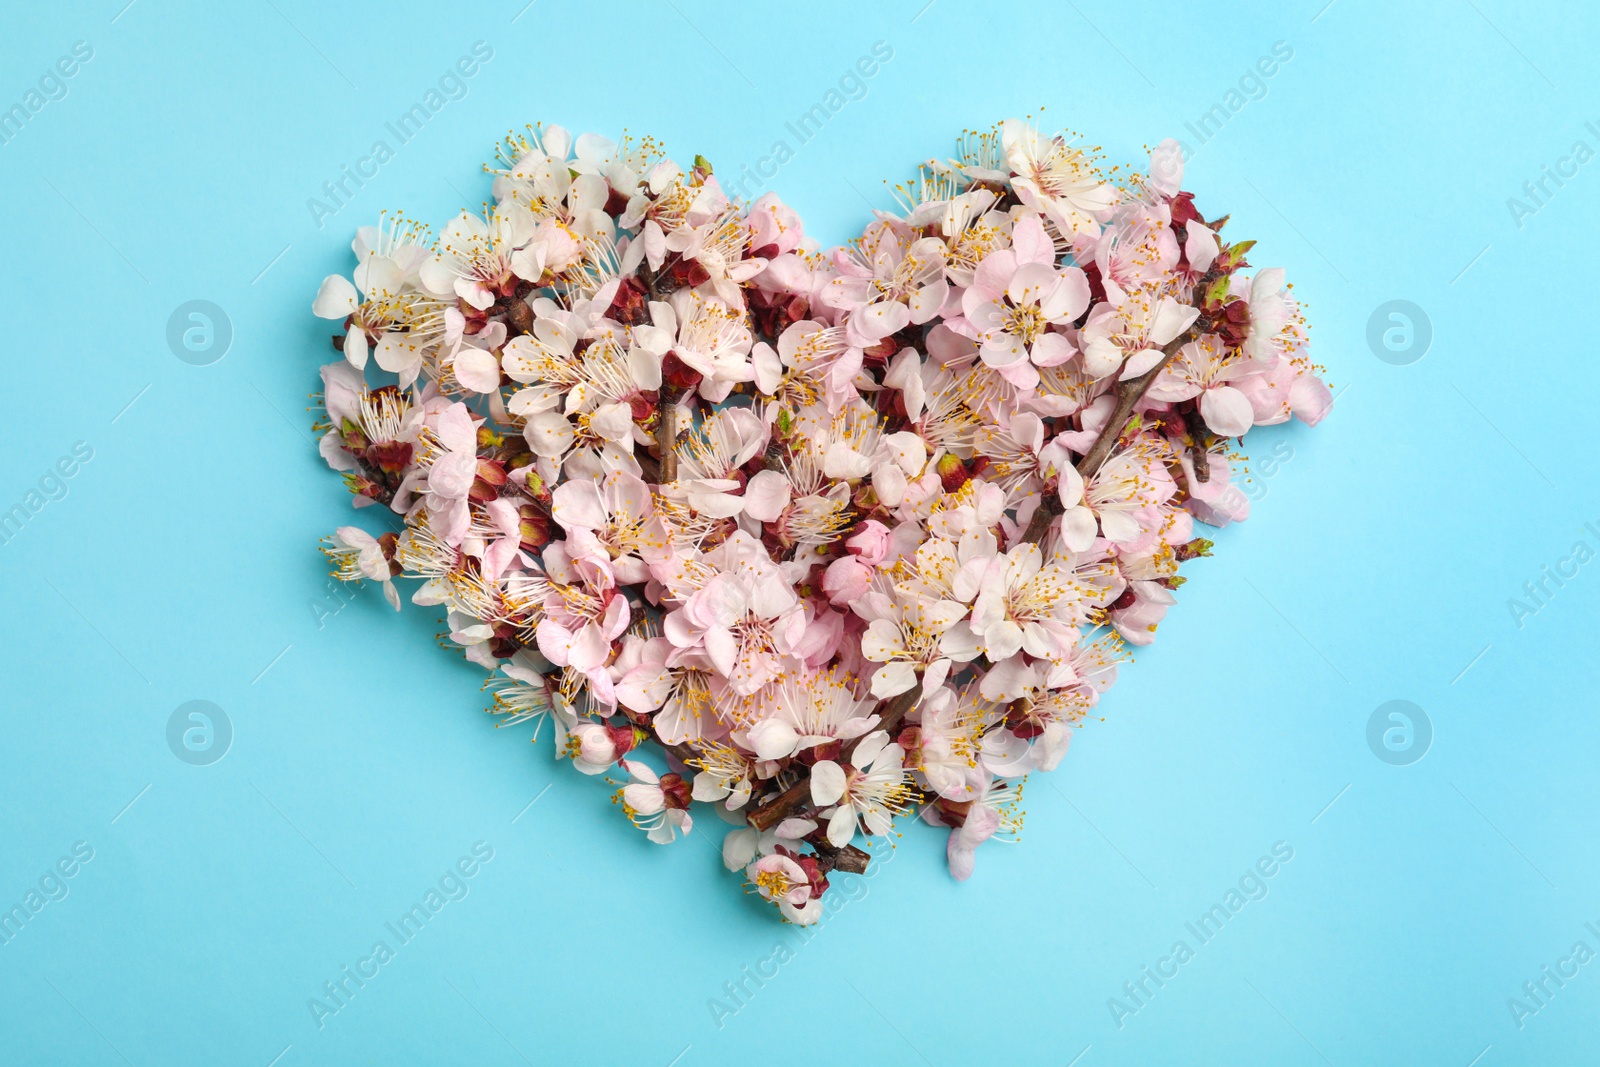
827, 783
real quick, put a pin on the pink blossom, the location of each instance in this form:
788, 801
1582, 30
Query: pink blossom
743, 618
1017, 296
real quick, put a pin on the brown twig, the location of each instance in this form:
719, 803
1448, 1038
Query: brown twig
849, 859
1128, 394
1196, 426
667, 435
1046, 513
648, 276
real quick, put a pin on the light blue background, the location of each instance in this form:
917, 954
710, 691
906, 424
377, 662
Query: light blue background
182, 565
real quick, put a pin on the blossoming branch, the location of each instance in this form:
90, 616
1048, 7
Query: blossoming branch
816, 537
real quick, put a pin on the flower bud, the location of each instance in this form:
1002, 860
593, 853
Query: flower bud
391, 457
676, 375
675, 791
534, 527
595, 744
870, 542
631, 305
519, 316
953, 474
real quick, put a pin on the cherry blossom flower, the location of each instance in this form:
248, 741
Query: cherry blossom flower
1147, 604
1017, 296
1202, 368
583, 615
595, 748
779, 878
1058, 179
613, 521
808, 710
810, 362
474, 260
888, 281
710, 458
907, 634
867, 795
743, 618
1025, 604
725, 775
1128, 337
383, 306
356, 554
949, 740
657, 804
993, 815
706, 337
1123, 497
446, 470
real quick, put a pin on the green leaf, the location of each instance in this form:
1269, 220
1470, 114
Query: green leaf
1235, 254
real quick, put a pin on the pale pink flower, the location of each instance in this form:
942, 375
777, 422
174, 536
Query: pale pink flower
383, 305
742, 618
448, 465
1204, 368
992, 813
584, 613
1017, 298
1128, 337
871, 792
779, 878
802, 711
595, 747
657, 804
1137, 250
356, 554
1027, 605
906, 632
1137, 621
614, 520
1056, 178
775, 227
888, 281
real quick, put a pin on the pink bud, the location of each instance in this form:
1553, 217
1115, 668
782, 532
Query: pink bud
846, 580
595, 744
870, 542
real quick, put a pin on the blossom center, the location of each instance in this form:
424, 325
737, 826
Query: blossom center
1025, 323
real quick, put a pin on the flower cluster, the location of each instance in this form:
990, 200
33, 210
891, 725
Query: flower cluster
843, 534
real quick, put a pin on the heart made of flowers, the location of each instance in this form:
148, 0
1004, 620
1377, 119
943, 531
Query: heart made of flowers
815, 538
